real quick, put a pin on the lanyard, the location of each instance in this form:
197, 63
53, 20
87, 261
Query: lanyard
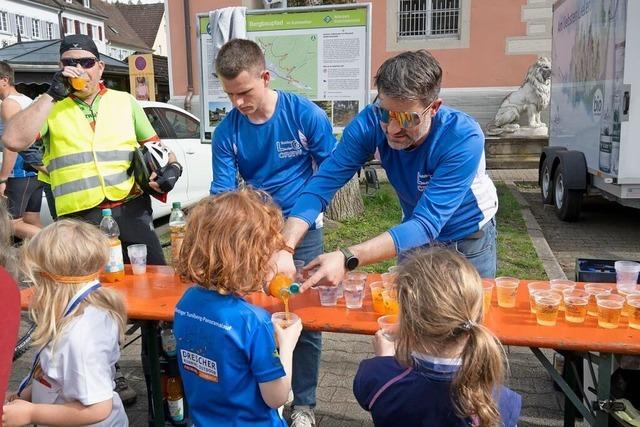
80, 296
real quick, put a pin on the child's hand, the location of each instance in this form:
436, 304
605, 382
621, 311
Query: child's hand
382, 346
17, 413
10, 396
288, 337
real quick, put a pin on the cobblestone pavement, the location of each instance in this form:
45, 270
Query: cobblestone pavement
342, 352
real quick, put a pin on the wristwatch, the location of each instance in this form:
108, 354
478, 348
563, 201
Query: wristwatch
350, 260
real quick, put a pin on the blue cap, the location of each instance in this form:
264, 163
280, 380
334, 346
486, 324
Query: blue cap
106, 212
294, 288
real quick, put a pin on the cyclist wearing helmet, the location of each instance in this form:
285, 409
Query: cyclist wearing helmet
434, 158
90, 136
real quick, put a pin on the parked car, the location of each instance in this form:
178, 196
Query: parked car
180, 130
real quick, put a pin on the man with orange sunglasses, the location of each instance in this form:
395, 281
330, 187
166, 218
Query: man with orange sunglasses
434, 158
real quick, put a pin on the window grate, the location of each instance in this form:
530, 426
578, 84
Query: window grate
428, 19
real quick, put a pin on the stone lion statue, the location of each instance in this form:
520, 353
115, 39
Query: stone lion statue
530, 99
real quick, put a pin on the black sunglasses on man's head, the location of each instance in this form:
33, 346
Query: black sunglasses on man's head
85, 63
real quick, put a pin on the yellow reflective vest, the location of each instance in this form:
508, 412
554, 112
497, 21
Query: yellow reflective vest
86, 166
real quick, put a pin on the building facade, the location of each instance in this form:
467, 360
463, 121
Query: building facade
485, 47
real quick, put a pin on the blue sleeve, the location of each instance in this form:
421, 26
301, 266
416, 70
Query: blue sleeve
355, 148
445, 192
263, 355
223, 161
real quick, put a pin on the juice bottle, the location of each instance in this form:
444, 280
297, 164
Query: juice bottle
283, 287
177, 225
114, 270
175, 399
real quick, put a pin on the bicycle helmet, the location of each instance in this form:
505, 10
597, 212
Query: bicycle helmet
149, 158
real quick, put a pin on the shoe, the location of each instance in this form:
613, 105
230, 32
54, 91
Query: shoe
303, 416
127, 394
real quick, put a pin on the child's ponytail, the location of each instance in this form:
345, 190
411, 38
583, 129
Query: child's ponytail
482, 368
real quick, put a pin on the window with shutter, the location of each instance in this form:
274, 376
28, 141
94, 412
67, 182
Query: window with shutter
20, 25
100, 33
35, 28
4, 22
77, 27
50, 31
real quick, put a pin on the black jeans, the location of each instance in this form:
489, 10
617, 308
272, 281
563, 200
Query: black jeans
135, 221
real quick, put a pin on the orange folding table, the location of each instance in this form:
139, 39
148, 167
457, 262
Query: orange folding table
152, 297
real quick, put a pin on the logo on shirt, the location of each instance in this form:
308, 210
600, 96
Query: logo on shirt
288, 149
204, 368
423, 181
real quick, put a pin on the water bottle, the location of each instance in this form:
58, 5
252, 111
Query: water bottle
177, 224
175, 399
168, 339
114, 270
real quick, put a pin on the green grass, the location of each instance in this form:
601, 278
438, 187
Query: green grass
516, 254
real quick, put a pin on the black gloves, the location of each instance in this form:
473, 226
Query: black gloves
59, 87
168, 176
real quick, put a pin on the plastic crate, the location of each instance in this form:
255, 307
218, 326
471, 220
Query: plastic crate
596, 270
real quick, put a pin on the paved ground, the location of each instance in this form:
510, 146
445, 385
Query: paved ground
606, 231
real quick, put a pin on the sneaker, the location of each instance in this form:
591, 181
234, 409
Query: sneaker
127, 394
302, 416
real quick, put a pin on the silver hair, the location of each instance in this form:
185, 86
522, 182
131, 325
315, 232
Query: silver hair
414, 75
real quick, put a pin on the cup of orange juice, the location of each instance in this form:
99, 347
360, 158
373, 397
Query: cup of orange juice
376, 297
78, 83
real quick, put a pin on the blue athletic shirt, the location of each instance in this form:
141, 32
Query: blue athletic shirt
225, 348
444, 191
419, 396
278, 156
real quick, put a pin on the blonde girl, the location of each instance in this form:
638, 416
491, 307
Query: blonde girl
233, 371
78, 327
444, 368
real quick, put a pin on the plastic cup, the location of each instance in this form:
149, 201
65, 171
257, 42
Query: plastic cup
561, 285
487, 294
393, 269
626, 308
390, 301
389, 279
283, 319
328, 295
547, 307
376, 297
138, 258
633, 301
389, 326
507, 288
533, 288
594, 289
575, 305
357, 275
626, 290
609, 310
627, 272
78, 83
353, 293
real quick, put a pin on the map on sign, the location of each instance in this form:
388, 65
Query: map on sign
293, 62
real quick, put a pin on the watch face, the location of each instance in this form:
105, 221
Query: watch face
352, 263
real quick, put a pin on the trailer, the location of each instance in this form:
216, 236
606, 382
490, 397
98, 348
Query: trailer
594, 123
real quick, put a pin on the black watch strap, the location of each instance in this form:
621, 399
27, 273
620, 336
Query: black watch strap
350, 260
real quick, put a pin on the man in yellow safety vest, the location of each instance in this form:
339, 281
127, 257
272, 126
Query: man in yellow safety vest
90, 134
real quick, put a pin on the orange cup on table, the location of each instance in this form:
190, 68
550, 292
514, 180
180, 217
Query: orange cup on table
390, 301
625, 291
609, 310
595, 289
487, 294
547, 307
633, 301
561, 285
507, 288
575, 305
533, 288
376, 297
